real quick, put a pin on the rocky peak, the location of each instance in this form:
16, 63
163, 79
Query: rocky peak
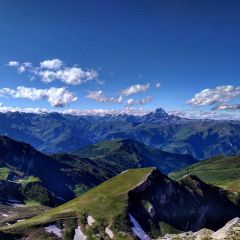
231, 231
160, 112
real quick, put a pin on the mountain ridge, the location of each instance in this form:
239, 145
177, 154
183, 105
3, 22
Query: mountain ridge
120, 150
49, 132
142, 197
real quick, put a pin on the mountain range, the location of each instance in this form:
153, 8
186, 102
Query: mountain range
57, 133
142, 203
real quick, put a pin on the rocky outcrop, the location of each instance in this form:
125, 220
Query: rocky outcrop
231, 231
187, 205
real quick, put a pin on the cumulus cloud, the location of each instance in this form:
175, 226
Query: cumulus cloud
227, 107
142, 101
57, 97
100, 97
54, 69
71, 76
215, 95
13, 64
135, 89
52, 64
21, 67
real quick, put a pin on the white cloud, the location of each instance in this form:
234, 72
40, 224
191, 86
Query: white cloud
198, 114
158, 85
57, 97
54, 69
216, 95
72, 76
13, 64
130, 101
78, 112
100, 97
135, 89
142, 101
21, 67
52, 64
227, 107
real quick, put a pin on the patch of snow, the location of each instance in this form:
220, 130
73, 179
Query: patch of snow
109, 232
137, 229
123, 172
21, 220
79, 235
54, 229
5, 215
61, 198
11, 201
90, 220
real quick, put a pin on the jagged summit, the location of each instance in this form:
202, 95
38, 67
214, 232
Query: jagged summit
160, 112
159, 115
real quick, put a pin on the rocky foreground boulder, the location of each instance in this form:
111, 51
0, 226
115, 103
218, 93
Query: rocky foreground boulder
231, 231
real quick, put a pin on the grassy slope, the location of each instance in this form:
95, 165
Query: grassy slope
4, 171
100, 149
105, 203
220, 171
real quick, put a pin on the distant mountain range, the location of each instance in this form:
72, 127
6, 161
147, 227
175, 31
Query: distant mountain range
53, 132
140, 203
27, 174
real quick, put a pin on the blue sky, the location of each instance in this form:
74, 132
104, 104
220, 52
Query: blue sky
102, 48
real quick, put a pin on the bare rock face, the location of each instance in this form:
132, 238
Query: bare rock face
202, 234
230, 231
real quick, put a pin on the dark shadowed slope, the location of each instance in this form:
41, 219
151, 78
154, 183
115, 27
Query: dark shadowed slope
23, 161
